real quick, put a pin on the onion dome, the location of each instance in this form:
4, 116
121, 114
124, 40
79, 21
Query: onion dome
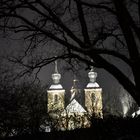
56, 76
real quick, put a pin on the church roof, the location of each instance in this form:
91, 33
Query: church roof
56, 86
74, 107
93, 85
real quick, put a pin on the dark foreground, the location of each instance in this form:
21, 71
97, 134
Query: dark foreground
108, 129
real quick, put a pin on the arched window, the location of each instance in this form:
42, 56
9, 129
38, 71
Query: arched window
55, 98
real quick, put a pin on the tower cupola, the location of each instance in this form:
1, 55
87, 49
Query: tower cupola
92, 78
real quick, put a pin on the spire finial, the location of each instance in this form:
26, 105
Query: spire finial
75, 88
92, 78
56, 76
74, 81
91, 67
56, 68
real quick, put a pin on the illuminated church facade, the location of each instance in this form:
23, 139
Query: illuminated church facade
75, 114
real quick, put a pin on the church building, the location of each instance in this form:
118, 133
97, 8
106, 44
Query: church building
75, 114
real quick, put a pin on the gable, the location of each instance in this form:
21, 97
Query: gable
75, 107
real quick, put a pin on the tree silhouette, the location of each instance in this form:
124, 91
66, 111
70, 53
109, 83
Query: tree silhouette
79, 29
23, 108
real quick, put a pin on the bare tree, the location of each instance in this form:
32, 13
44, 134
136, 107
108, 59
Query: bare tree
79, 29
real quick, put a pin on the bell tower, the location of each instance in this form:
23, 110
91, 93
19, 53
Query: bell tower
56, 93
93, 95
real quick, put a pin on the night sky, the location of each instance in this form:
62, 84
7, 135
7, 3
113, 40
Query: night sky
113, 94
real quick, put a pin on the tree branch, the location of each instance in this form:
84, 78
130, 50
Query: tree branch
82, 22
60, 23
139, 10
113, 53
98, 6
126, 29
122, 79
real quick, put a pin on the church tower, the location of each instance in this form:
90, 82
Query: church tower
93, 96
56, 94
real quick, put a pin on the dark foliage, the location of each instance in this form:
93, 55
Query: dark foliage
23, 108
111, 128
